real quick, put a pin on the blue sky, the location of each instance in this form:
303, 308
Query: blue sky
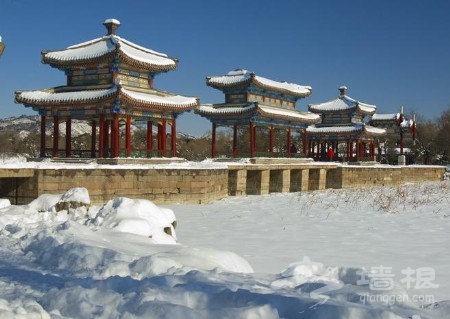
388, 53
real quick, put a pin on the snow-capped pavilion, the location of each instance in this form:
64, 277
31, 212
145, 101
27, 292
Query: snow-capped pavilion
252, 100
344, 129
109, 83
397, 126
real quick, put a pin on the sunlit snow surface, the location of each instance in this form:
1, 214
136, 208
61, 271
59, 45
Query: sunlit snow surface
297, 255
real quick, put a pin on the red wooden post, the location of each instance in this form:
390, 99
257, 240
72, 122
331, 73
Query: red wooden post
55, 152
128, 136
158, 138
372, 150
43, 126
234, 141
101, 136
288, 141
164, 138
149, 138
271, 139
93, 138
106, 138
69, 137
213, 141
252, 139
174, 137
115, 136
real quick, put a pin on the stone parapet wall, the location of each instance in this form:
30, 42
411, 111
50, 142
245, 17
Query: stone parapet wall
363, 176
204, 185
158, 185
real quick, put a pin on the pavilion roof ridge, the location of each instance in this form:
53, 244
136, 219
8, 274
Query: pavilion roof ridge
342, 103
243, 77
265, 110
109, 45
154, 97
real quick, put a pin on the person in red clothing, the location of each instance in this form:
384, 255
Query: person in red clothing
330, 154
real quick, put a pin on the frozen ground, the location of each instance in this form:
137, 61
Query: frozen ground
359, 253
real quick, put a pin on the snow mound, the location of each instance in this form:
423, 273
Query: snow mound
138, 216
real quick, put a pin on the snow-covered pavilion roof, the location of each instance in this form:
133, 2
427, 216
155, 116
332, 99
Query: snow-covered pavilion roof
385, 117
107, 48
347, 129
217, 111
342, 103
243, 78
153, 98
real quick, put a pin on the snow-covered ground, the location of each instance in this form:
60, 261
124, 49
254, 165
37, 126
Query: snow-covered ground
378, 252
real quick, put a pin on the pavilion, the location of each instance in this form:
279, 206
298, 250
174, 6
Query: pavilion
344, 128
253, 101
110, 84
400, 130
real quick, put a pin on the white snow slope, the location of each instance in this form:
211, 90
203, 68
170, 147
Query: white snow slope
360, 253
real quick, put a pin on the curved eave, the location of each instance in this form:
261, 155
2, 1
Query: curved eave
367, 109
159, 100
234, 81
318, 109
50, 97
215, 83
366, 130
374, 131
217, 111
94, 51
298, 91
334, 130
104, 50
338, 105
342, 104
288, 115
383, 117
139, 64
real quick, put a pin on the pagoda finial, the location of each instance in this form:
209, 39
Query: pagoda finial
343, 90
111, 26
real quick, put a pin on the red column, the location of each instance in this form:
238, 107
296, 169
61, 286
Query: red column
234, 141
372, 150
93, 138
252, 139
149, 138
106, 138
271, 137
213, 141
69, 137
159, 138
128, 136
101, 136
55, 152
43, 122
347, 152
288, 141
115, 136
351, 150
163, 138
174, 137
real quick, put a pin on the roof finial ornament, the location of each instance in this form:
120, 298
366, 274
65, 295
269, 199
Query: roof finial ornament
343, 90
111, 26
